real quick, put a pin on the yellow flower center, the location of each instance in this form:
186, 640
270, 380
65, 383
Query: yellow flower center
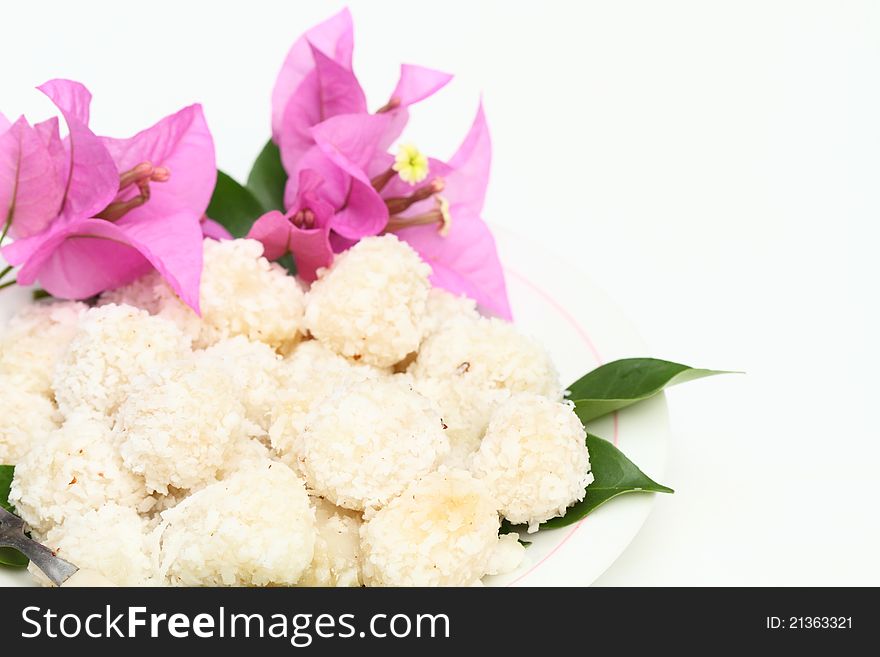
410, 164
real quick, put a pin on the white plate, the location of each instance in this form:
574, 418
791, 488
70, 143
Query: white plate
582, 329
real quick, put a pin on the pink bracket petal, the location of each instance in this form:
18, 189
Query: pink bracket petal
92, 180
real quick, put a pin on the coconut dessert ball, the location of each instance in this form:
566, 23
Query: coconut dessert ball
489, 353
242, 293
534, 459
34, 340
466, 410
76, 469
303, 379
441, 531
444, 307
367, 441
27, 419
111, 541
113, 346
337, 547
177, 426
251, 368
256, 528
370, 304
146, 293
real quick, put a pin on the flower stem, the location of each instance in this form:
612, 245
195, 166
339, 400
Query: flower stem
4, 272
7, 284
5, 229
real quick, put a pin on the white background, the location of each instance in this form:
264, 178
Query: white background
712, 166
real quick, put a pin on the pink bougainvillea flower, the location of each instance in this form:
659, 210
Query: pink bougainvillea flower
322, 126
304, 231
331, 201
441, 221
316, 83
111, 224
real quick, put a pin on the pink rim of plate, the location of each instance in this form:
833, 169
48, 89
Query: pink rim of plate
585, 337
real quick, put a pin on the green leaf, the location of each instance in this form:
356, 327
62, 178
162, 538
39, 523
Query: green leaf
233, 206
613, 474
8, 556
625, 382
268, 178
6, 472
288, 263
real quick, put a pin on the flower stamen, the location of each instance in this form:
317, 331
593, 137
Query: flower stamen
398, 204
440, 216
379, 182
140, 176
304, 218
392, 104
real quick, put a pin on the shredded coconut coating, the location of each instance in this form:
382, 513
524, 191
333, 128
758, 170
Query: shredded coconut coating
177, 427
113, 346
111, 541
251, 368
147, 293
507, 555
337, 547
441, 531
76, 469
444, 307
27, 418
303, 379
488, 353
33, 341
363, 444
534, 459
244, 453
370, 304
151, 293
466, 410
242, 293
256, 528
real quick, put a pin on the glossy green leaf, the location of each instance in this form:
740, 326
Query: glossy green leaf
268, 178
8, 556
625, 382
233, 206
6, 472
613, 474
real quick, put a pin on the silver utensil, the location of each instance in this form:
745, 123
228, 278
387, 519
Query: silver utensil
12, 535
